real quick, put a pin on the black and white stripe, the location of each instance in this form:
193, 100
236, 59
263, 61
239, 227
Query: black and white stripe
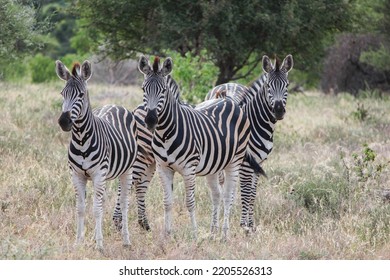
103, 147
265, 103
193, 141
144, 166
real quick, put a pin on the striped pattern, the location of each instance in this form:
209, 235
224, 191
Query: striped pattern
103, 147
264, 102
201, 141
144, 166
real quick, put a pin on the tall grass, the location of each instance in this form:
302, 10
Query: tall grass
321, 199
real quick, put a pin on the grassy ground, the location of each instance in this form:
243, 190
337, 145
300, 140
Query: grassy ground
323, 199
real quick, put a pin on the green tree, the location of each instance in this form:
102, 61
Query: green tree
235, 34
20, 34
379, 13
62, 23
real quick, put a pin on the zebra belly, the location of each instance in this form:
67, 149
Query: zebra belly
201, 165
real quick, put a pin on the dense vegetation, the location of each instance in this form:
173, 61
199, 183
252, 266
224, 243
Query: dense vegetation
213, 41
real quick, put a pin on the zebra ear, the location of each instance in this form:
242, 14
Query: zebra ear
167, 66
62, 72
267, 64
86, 70
143, 65
288, 63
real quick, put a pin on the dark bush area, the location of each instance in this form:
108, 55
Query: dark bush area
344, 70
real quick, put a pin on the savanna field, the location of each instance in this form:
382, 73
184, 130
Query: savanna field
327, 194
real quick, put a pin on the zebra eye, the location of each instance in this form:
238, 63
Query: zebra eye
81, 94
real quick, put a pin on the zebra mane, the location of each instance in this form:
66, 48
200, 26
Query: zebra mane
277, 63
156, 64
76, 69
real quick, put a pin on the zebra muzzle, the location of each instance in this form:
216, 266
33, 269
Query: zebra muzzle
279, 110
65, 121
151, 119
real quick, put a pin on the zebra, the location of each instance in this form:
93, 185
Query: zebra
193, 141
143, 170
265, 103
144, 166
103, 147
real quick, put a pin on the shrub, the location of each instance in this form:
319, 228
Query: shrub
194, 74
14, 71
42, 69
344, 70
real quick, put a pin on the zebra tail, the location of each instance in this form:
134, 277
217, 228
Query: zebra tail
254, 165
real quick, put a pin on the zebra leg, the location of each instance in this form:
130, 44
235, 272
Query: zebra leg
231, 173
215, 190
221, 178
141, 189
125, 182
166, 177
245, 189
189, 181
255, 179
99, 185
79, 183
117, 216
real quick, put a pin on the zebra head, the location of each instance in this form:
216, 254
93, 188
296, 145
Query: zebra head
74, 94
154, 87
276, 83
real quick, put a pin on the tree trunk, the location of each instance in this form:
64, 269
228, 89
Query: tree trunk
226, 73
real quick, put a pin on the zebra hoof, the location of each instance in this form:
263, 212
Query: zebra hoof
144, 224
100, 249
127, 246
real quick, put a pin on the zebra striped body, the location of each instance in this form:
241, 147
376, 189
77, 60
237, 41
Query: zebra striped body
144, 166
264, 102
103, 147
201, 141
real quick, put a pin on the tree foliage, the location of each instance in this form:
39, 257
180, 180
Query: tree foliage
19, 30
234, 33
62, 26
379, 57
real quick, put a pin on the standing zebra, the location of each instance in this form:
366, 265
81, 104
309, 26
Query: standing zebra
193, 142
144, 166
265, 103
103, 147
143, 171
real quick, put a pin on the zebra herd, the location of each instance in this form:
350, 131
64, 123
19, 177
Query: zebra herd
226, 139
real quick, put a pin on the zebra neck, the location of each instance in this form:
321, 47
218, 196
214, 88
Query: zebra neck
256, 88
262, 126
83, 127
167, 119
261, 116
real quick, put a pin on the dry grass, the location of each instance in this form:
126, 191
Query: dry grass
314, 205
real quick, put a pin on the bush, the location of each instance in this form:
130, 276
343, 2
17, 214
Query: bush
379, 59
42, 69
195, 75
324, 197
344, 70
14, 71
